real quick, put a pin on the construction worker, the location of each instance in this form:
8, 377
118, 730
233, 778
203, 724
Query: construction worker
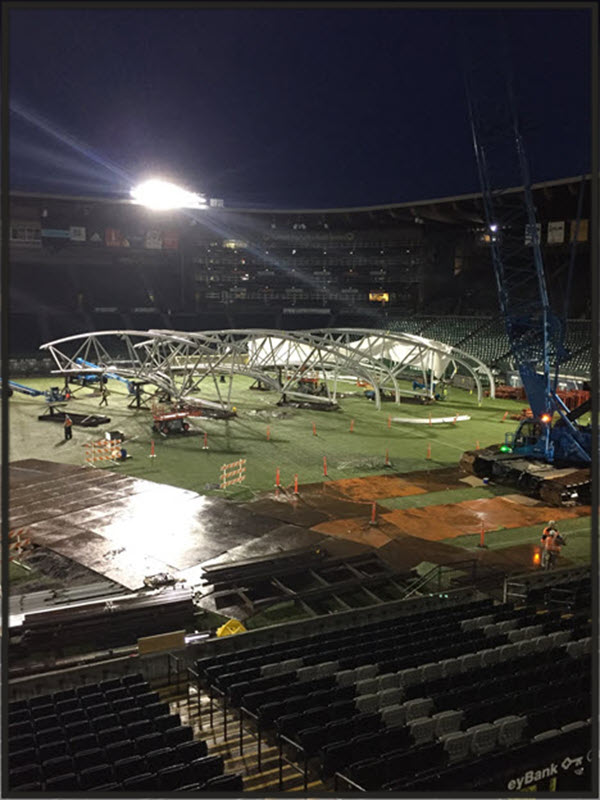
68, 428
552, 542
104, 393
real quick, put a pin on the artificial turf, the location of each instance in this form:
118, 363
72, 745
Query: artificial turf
271, 438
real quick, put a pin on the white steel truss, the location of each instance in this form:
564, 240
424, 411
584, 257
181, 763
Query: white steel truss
293, 364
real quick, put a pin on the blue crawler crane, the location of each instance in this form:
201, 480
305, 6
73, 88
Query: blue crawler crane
549, 455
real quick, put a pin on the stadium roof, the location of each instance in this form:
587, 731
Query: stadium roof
453, 209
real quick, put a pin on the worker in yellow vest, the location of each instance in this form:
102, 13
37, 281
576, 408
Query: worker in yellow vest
552, 542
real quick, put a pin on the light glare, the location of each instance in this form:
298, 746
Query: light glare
162, 196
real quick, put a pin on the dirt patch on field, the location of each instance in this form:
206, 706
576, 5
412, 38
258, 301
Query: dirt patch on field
390, 484
375, 487
436, 523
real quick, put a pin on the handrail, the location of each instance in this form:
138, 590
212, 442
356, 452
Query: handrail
439, 569
339, 776
299, 749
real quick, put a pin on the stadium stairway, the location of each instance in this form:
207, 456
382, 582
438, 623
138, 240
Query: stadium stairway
224, 741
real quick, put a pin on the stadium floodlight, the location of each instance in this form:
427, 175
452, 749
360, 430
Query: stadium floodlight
161, 195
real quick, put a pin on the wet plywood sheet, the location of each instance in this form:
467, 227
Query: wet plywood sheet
126, 528
355, 530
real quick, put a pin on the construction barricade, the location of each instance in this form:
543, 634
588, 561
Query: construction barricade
102, 450
232, 473
18, 543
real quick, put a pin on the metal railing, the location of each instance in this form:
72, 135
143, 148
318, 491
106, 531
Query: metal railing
439, 576
346, 783
299, 750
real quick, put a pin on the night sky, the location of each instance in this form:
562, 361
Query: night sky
280, 107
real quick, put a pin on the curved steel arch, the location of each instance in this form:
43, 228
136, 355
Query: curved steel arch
179, 361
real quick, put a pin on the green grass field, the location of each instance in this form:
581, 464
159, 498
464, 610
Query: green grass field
181, 461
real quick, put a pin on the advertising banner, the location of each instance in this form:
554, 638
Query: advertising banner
54, 233
529, 233
76, 234
170, 240
153, 240
112, 237
556, 232
582, 231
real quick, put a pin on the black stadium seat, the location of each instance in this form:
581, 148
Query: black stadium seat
128, 767
30, 773
119, 750
172, 777
89, 758
189, 751
68, 782
139, 728
138, 783
159, 759
107, 735
149, 742
61, 765
94, 777
86, 742
177, 735
224, 783
166, 721
22, 757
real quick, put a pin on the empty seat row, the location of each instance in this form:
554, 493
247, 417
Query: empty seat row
134, 772
127, 682
436, 617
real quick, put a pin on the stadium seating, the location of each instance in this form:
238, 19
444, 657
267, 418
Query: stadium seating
385, 702
86, 740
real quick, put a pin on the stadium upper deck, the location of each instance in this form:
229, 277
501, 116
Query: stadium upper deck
84, 263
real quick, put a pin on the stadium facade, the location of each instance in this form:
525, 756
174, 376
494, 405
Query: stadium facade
91, 263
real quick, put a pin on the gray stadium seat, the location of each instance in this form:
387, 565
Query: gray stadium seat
489, 656
390, 697
484, 738
470, 661
327, 668
387, 681
546, 735
367, 671
457, 745
447, 722
345, 677
367, 702
393, 716
430, 671
450, 666
422, 730
419, 707
510, 729
367, 686
408, 677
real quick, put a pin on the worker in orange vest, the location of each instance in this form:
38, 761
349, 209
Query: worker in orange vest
552, 542
68, 428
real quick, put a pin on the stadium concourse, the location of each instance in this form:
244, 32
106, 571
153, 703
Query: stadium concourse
346, 610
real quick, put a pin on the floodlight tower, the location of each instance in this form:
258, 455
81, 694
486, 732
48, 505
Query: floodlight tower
160, 195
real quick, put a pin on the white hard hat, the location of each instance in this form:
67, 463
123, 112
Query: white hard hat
552, 522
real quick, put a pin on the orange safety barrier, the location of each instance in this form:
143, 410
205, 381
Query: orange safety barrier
234, 472
103, 450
